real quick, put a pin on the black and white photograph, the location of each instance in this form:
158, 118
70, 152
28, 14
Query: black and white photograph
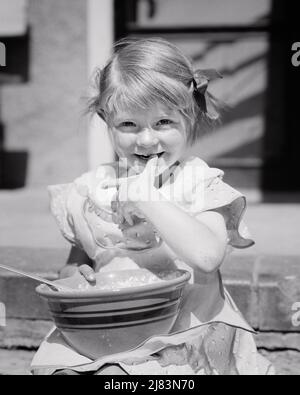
149, 190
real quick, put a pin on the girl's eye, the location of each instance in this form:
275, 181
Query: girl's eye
164, 122
128, 124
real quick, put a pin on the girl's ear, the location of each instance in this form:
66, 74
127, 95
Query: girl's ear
101, 114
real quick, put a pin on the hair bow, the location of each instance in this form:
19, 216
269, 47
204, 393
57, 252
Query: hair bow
201, 81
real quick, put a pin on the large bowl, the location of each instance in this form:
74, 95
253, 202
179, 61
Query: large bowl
98, 322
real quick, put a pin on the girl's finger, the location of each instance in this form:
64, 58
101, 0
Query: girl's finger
151, 168
117, 182
139, 214
120, 218
115, 218
88, 273
111, 184
128, 218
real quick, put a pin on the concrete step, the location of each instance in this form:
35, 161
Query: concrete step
17, 362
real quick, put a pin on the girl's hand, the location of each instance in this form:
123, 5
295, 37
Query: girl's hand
138, 188
85, 270
132, 190
125, 212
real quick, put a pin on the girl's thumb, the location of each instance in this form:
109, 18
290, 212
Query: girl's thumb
151, 167
88, 273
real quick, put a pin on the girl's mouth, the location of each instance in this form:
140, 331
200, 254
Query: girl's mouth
146, 158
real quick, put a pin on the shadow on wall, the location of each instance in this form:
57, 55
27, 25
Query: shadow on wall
14, 164
240, 135
279, 150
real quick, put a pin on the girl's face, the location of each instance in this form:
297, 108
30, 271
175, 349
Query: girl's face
139, 136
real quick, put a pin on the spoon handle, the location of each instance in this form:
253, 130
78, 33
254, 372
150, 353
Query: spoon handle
34, 277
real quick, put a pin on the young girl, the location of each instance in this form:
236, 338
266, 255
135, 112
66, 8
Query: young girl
157, 206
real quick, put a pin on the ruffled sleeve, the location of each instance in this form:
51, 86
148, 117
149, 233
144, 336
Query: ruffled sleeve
66, 204
58, 204
237, 231
70, 206
210, 193
220, 197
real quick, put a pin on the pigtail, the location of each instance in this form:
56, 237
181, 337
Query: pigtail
93, 105
208, 109
207, 103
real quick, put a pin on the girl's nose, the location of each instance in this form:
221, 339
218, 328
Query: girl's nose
147, 138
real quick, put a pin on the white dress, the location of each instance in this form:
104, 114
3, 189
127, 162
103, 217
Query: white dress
210, 335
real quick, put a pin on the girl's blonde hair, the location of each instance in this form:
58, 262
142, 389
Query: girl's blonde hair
144, 72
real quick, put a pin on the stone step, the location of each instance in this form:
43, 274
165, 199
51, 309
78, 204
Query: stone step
26, 315
17, 362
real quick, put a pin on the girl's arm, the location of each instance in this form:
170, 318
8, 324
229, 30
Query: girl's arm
78, 260
199, 241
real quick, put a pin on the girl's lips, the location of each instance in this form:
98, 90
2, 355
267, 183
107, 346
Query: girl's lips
148, 157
